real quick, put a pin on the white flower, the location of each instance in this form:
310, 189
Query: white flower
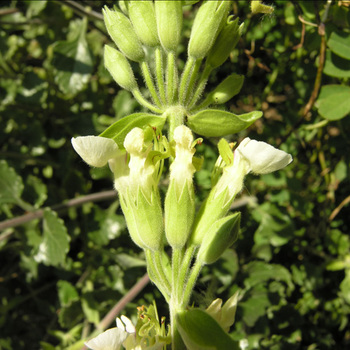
251, 156
95, 150
141, 174
182, 168
262, 157
114, 338
111, 339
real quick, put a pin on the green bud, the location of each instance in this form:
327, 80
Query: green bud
169, 23
257, 7
123, 5
179, 214
217, 123
143, 18
123, 34
225, 43
144, 219
179, 202
119, 67
221, 235
212, 209
206, 27
228, 88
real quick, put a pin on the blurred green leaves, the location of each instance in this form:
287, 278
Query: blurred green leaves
72, 60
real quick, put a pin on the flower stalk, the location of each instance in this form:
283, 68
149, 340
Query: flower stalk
135, 150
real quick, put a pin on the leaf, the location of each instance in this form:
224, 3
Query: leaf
73, 62
339, 43
256, 305
55, 245
216, 123
200, 331
66, 293
121, 128
333, 101
37, 191
11, 185
259, 272
336, 66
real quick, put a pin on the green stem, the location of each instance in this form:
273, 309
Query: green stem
160, 268
201, 85
160, 75
176, 117
176, 340
142, 101
149, 83
171, 78
195, 271
193, 80
186, 76
154, 276
184, 268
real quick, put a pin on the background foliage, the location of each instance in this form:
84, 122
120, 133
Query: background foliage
66, 263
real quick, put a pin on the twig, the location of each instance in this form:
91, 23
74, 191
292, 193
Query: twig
317, 84
38, 214
115, 311
80, 9
5, 12
336, 211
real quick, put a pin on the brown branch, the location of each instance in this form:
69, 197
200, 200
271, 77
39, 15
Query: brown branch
38, 214
336, 211
115, 311
81, 10
4, 12
317, 85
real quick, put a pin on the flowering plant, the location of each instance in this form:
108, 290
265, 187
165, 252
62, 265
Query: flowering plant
135, 150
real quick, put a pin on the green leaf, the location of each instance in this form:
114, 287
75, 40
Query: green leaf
55, 245
37, 191
255, 306
66, 293
11, 185
73, 62
200, 331
90, 308
345, 286
333, 101
339, 43
336, 66
216, 123
259, 272
121, 128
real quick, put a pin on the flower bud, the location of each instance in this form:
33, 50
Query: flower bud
206, 27
123, 34
179, 202
257, 7
224, 43
228, 88
120, 69
220, 236
169, 23
143, 18
144, 218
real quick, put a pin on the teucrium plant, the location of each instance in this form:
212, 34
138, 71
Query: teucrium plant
135, 150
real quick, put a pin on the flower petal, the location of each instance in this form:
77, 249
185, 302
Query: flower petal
130, 328
95, 150
111, 339
262, 157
